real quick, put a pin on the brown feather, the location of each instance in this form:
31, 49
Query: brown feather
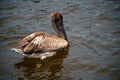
28, 39
41, 42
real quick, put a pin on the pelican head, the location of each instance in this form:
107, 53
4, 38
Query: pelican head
57, 24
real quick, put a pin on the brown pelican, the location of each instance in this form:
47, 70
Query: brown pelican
41, 44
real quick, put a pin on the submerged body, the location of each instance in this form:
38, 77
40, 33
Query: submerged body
44, 44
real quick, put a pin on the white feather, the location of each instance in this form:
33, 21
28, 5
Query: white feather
37, 41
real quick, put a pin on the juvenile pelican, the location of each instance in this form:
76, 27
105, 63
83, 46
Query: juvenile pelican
43, 45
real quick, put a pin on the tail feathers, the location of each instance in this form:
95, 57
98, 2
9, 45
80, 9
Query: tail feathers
18, 50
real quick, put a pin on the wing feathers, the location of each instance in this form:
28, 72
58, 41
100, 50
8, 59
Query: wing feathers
37, 40
28, 39
41, 42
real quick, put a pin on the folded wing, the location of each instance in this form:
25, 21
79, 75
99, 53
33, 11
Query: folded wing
41, 42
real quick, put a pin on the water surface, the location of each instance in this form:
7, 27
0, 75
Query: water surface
93, 31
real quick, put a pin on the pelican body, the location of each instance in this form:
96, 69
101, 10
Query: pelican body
42, 44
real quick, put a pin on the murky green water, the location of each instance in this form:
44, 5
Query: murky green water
93, 30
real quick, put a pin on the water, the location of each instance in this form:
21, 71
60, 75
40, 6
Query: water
93, 31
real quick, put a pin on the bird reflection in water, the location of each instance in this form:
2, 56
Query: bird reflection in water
36, 69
